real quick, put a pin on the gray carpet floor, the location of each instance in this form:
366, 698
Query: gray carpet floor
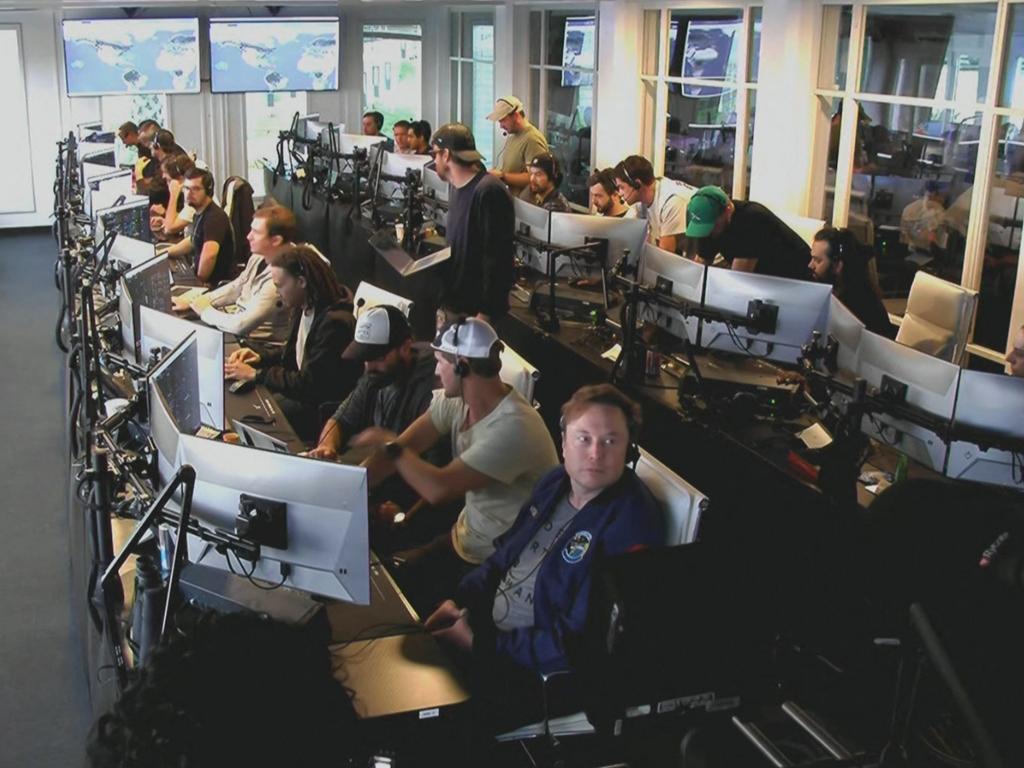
43, 696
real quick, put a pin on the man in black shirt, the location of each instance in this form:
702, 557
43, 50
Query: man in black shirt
747, 235
212, 242
837, 258
481, 223
395, 388
545, 178
605, 199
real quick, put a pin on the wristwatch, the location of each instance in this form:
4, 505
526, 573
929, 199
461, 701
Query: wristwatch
393, 450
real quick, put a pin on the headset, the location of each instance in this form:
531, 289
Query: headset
629, 178
208, 183
556, 169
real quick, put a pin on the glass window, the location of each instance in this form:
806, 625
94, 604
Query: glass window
570, 114
266, 114
483, 103
392, 72
1002, 238
914, 169
472, 76
700, 139
117, 110
705, 44
477, 37
754, 57
750, 141
1012, 90
931, 51
835, 47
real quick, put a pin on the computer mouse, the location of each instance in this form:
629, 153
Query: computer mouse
241, 387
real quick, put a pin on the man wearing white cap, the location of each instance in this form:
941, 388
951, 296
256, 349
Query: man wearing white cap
523, 142
500, 449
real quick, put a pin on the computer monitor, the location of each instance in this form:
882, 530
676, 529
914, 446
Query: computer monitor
434, 186
396, 166
988, 428
349, 142
803, 307
85, 129
533, 223
128, 219
163, 331
846, 328
326, 514
930, 384
163, 430
255, 438
578, 228
678, 278
106, 188
176, 381
147, 285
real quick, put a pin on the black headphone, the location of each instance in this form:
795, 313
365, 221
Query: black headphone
207, 178
556, 170
629, 178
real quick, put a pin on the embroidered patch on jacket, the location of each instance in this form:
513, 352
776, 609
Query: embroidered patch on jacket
577, 547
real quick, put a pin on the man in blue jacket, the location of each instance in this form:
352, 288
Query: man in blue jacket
519, 610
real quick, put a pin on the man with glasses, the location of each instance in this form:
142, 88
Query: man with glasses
212, 242
662, 201
481, 222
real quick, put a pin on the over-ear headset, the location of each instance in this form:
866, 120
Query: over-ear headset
629, 178
557, 168
207, 178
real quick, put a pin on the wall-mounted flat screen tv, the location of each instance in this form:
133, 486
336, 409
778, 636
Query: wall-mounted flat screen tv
105, 57
275, 54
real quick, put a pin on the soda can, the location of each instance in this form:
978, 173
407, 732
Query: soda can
165, 540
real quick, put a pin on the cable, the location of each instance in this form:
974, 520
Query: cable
248, 576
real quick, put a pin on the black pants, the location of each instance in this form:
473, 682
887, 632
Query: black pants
429, 574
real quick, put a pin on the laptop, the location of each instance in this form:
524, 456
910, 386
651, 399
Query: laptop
255, 438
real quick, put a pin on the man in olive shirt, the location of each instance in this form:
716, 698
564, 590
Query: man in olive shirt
523, 143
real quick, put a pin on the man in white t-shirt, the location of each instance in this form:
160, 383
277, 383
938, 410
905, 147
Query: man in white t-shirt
500, 448
662, 201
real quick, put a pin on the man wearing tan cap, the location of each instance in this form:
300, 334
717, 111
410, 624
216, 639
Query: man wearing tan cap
523, 142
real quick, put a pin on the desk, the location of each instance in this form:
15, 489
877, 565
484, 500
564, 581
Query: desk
790, 544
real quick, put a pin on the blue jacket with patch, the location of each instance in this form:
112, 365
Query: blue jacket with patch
624, 517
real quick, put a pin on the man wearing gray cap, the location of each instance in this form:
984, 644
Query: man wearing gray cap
523, 142
476, 279
500, 448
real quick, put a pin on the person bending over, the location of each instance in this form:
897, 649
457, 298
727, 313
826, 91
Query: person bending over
193, 704
519, 610
308, 371
500, 448
260, 314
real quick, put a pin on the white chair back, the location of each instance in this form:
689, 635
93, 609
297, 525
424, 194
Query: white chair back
369, 295
682, 503
938, 318
518, 373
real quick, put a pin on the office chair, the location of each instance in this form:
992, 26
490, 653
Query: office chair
518, 373
938, 318
369, 295
683, 506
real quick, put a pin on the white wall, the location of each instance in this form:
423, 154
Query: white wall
44, 113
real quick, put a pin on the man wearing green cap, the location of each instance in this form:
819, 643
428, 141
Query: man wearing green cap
747, 235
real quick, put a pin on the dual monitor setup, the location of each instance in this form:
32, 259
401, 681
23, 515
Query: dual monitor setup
950, 419
306, 518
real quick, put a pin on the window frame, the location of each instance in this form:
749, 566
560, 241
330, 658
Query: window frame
991, 114
455, 105
656, 136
